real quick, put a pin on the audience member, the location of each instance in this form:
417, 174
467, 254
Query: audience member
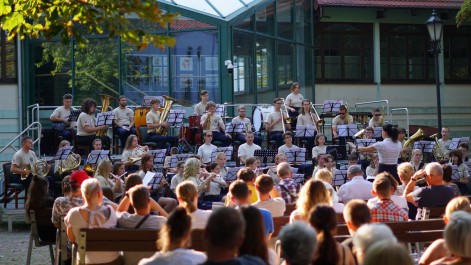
356, 188
325, 176
356, 214
434, 195
298, 243
134, 180
268, 196
224, 235
369, 234
399, 200
287, 187
187, 196
324, 220
248, 176
405, 171
447, 178
386, 253
40, 201
384, 209
311, 194
173, 240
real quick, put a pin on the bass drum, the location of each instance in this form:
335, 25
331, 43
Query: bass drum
140, 118
259, 115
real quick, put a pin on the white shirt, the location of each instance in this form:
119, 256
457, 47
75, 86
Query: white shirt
247, 150
338, 121
444, 144
282, 149
373, 124
316, 150
214, 124
152, 118
215, 188
294, 100
272, 117
205, 151
245, 121
179, 256
357, 188
199, 219
177, 179
305, 119
23, 159
276, 206
62, 113
388, 151
200, 108
83, 120
123, 116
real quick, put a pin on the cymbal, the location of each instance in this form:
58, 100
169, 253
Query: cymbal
184, 102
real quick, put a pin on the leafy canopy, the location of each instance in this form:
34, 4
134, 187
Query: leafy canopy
74, 19
464, 14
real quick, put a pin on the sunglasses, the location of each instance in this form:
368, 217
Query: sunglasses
377, 115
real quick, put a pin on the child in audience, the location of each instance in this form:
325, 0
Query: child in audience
384, 209
214, 193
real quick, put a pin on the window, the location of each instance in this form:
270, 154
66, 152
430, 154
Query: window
457, 54
404, 53
344, 52
7, 59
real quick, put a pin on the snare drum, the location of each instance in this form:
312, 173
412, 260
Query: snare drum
259, 115
194, 121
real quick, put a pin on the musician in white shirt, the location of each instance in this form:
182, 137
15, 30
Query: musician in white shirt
206, 149
293, 102
123, 120
377, 120
248, 149
445, 142
288, 138
200, 108
342, 119
60, 119
241, 118
86, 128
213, 122
274, 123
154, 123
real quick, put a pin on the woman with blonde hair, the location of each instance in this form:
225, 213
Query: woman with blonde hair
187, 196
325, 176
312, 193
103, 175
93, 214
192, 172
405, 171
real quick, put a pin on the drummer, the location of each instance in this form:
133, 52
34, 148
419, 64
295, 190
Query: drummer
241, 118
123, 120
200, 108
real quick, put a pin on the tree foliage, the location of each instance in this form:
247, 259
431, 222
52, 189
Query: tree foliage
75, 19
464, 14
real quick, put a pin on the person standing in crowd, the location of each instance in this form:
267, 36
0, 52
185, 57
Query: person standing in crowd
200, 108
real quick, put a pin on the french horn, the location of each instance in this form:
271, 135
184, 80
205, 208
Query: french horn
137, 153
40, 168
70, 163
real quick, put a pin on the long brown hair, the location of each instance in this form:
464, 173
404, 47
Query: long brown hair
186, 192
175, 230
324, 219
255, 243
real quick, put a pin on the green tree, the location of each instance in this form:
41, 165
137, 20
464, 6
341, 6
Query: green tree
464, 14
77, 19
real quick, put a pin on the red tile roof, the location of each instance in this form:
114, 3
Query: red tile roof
438, 4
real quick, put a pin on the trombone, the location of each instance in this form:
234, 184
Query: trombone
320, 122
284, 111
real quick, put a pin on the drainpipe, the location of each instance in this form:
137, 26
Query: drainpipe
20, 84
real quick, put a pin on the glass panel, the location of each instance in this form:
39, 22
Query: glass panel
226, 7
244, 89
284, 18
265, 20
303, 22
10, 59
246, 24
285, 69
199, 5
195, 65
264, 54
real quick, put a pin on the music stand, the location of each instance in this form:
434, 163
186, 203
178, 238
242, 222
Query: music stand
159, 155
220, 110
265, 154
455, 174
237, 127
340, 177
347, 130
174, 159
305, 131
63, 153
232, 174
331, 106
425, 146
339, 152
175, 117
296, 155
104, 118
74, 114
365, 142
377, 132
298, 179
148, 99
226, 150
294, 170
152, 179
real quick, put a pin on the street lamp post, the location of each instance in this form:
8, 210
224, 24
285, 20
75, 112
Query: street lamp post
435, 29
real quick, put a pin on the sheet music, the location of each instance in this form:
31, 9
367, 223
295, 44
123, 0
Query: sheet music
296, 154
159, 155
236, 127
340, 178
175, 117
232, 173
174, 159
365, 142
104, 118
305, 131
63, 153
221, 110
226, 150
347, 130
152, 179
96, 156
330, 105
425, 146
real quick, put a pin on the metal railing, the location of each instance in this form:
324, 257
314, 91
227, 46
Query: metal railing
375, 102
407, 117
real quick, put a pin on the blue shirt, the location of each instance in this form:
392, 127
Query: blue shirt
267, 221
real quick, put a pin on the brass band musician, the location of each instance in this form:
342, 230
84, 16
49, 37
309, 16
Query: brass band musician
241, 118
153, 122
200, 108
123, 120
86, 128
60, 119
377, 120
293, 102
307, 118
213, 122
274, 123
342, 119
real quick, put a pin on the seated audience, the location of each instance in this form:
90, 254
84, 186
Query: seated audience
324, 220
134, 180
399, 200
298, 243
387, 253
93, 214
40, 201
174, 237
355, 214
287, 187
268, 196
356, 188
447, 181
311, 194
369, 234
187, 196
325, 176
248, 176
224, 235
384, 209
433, 195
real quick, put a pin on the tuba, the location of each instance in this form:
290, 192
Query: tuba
409, 145
70, 163
164, 114
105, 104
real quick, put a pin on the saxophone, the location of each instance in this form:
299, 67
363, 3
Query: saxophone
164, 115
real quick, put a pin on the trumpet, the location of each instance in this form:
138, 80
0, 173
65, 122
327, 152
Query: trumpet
284, 112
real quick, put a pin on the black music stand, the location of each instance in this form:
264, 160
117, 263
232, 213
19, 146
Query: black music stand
237, 127
96, 156
74, 114
105, 118
305, 131
377, 132
175, 117
220, 110
340, 177
331, 106
455, 142
63, 153
365, 142
159, 155
174, 159
232, 173
265, 154
298, 179
425, 146
339, 152
226, 150
455, 174
152, 179
296, 155
148, 99
347, 130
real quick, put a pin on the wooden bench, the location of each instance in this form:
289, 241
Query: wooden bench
120, 239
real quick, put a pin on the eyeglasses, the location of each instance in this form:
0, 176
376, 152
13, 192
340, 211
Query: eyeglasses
377, 115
